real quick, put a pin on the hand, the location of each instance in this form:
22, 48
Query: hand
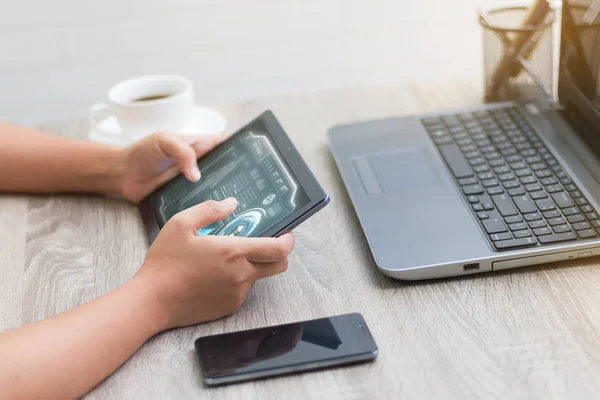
152, 161
201, 278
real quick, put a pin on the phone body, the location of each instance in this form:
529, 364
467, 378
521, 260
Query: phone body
284, 349
259, 166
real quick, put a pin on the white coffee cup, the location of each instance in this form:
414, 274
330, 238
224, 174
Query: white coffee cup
147, 104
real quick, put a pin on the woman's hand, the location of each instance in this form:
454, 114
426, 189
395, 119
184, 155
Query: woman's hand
152, 161
201, 278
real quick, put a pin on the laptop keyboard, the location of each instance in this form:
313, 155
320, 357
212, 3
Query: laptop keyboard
516, 188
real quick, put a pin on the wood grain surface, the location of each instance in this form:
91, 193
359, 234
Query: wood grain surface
521, 334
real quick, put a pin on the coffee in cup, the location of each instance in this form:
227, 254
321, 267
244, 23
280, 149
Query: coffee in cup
147, 104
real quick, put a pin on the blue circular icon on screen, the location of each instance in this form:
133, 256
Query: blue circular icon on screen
244, 224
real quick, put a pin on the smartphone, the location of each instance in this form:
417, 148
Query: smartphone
283, 349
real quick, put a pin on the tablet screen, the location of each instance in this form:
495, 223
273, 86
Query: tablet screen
249, 168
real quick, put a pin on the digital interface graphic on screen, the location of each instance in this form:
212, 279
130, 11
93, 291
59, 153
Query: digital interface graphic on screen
251, 169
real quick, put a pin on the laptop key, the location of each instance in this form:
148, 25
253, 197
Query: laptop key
533, 217
587, 209
477, 161
556, 238
472, 154
492, 155
516, 191
486, 202
575, 218
551, 214
468, 148
545, 205
510, 184
561, 228
524, 204
532, 159
456, 161
562, 199
489, 183
527, 180
500, 236
508, 152
515, 243
542, 231
537, 166
494, 190
521, 234
504, 205
506, 177
533, 187
549, 181
472, 189
523, 172
554, 188
581, 225
467, 181
518, 226
494, 224
537, 224
512, 219
538, 195
556, 221
464, 142
586, 233
443, 140
570, 211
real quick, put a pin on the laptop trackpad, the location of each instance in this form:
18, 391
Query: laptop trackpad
395, 171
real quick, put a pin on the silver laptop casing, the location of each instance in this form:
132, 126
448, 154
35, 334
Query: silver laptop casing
417, 224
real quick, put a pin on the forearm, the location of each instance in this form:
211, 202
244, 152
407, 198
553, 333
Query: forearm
67, 355
38, 162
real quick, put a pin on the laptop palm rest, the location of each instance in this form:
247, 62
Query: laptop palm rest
395, 171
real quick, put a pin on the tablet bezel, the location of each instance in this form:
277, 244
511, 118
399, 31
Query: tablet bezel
293, 160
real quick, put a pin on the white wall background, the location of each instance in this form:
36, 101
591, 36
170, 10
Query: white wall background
57, 57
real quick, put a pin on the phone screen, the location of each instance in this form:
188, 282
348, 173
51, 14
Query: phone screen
251, 169
286, 348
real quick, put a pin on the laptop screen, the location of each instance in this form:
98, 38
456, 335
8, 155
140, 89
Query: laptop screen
579, 68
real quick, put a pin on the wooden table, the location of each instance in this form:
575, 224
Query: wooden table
529, 333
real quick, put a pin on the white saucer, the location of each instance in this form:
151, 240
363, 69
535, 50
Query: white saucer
205, 121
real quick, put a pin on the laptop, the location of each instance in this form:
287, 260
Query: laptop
486, 188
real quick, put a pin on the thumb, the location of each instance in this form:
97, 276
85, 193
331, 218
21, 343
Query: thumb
208, 212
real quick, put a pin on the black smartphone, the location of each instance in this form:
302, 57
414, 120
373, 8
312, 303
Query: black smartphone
283, 349
261, 168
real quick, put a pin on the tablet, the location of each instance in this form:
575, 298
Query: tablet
261, 168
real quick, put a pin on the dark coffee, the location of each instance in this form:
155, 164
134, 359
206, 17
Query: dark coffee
151, 97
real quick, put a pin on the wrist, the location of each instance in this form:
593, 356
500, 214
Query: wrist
105, 169
114, 170
153, 308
